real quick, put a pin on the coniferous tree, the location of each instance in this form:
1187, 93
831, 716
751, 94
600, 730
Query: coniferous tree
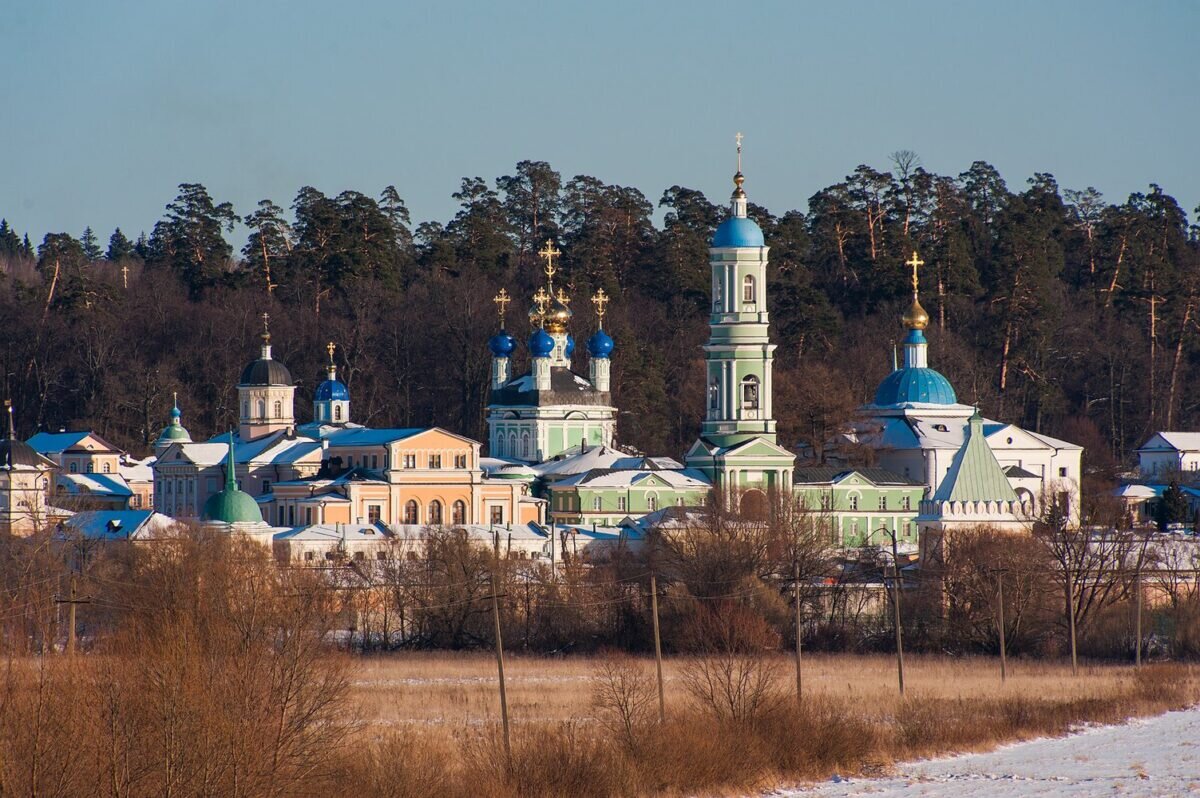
119, 246
90, 245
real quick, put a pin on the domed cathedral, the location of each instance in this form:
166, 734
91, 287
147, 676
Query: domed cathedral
540, 415
174, 432
737, 450
266, 394
976, 471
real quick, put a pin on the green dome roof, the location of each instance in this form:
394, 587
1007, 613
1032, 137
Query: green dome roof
232, 505
174, 432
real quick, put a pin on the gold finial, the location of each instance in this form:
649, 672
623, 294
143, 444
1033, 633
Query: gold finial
600, 301
548, 253
562, 297
541, 299
914, 261
330, 347
738, 138
916, 318
266, 333
502, 299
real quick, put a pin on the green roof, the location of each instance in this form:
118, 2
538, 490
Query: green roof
232, 505
974, 474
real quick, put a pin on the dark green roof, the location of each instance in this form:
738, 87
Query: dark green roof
232, 505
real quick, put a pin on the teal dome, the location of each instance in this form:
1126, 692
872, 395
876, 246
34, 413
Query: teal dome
909, 385
175, 433
232, 506
738, 231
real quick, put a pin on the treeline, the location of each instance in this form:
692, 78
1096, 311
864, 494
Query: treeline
1056, 309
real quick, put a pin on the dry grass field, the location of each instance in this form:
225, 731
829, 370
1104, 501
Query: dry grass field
451, 690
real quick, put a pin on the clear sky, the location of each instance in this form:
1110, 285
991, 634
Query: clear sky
107, 106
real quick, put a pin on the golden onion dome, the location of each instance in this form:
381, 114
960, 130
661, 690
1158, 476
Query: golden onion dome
915, 318
558, 315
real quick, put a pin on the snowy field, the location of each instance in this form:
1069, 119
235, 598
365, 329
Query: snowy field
1152, 757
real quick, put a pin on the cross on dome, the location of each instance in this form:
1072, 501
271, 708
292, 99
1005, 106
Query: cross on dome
600, 300
502, 299
548, 253
266, 333
914, 261
541, 299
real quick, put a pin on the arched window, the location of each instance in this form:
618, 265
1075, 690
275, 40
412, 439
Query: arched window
74, 467
651, 502
410, 512
262, 409
750, 393
108, 468
435, 512
245, 409
459, 514
748, 290
717, 296
337, 412
278, 409
714, 395
90, 468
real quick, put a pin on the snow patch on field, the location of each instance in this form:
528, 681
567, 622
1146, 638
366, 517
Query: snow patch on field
1151, 757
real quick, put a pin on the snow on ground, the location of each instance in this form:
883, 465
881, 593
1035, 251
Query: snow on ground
1151, 757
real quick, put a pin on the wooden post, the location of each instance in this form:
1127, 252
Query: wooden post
1000, 600
1137, 649
662, 707
799, 632
500, 657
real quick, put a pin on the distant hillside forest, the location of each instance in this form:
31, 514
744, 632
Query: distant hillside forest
1055, 309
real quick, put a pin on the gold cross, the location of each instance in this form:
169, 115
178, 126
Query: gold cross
541, 299
548, 254
738, 138
562, 297
914, 262
600, 300
329, 348
502, 299
125, 274
266, 327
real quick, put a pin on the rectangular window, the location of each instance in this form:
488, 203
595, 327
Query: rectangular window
435, 461
883, 502
308, 555
374, 461
308, 516
460, 461
1062, 472
360, 556
266, 486
410, 461
621, 503
373, 513
854, 502
597, 503
497, 515
826, 501
906, 502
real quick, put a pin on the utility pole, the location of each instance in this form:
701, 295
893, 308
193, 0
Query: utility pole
899, 635
500, 653
1000, 602
72, 602
662, 707
799, 633
1137, 649
1070, 584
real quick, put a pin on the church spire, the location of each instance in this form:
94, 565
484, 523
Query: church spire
266, 337
915, 318
230, 474
737, 205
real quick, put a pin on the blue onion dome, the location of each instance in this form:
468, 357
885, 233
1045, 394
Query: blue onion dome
175, 414
738, 231
600, 345
502, 344
332, 390
569, 349
911, 385
540, 343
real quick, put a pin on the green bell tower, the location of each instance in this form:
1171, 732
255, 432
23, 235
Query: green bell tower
737, 448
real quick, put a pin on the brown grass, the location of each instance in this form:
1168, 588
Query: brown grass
430, 722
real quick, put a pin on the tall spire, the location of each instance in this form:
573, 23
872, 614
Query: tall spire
230, 474
737, 206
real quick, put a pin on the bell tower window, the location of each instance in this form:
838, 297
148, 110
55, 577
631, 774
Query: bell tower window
748, 297
714, 395
337, 412
750, 393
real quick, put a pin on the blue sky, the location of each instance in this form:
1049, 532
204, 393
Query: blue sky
108, 106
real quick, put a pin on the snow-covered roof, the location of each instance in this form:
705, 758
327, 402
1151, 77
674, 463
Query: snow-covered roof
1168, 441
55, 442
335, 533
1137, 492
370, 437
134, 470
582, 458
113, 485
203, 454
630, 478
118, 524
